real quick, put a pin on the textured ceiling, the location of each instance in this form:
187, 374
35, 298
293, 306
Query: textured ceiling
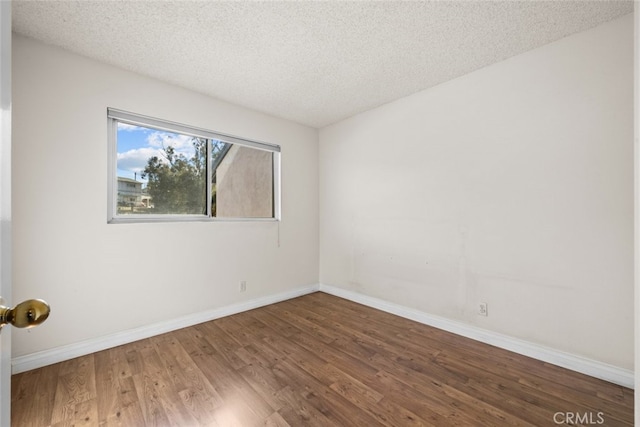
311, 62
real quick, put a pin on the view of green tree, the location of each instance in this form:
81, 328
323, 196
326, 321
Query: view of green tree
177, 184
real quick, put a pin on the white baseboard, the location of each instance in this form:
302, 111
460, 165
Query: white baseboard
623, 377
59, 354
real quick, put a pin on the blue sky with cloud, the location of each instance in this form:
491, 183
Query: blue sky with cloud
136, 145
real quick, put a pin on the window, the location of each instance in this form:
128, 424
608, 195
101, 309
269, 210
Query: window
164, 171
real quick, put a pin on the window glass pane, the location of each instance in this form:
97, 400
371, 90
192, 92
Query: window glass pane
160, 172
242, 182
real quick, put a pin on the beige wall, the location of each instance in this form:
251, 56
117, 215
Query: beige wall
512, 185
244, 184
107, 278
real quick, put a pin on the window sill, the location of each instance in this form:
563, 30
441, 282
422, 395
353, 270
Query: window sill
182, 219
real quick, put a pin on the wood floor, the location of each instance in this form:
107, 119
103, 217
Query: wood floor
316, 360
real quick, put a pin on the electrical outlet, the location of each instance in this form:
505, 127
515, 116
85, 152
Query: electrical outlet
483, 309
243, 286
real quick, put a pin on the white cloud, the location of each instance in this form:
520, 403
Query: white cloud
183, 144
136, 160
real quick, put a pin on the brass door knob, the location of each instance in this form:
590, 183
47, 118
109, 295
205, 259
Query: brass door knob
27, 314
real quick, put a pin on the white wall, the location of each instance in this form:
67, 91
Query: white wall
512, 185
100, 278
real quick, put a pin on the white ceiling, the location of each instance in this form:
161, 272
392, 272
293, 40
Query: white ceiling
311, 62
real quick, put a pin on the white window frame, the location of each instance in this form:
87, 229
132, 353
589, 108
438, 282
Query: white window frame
115, 116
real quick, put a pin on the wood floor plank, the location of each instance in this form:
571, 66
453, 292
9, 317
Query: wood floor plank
276, 420
32, 391
322, 397
263, 380
225, 379
449, 397
76, 385
223, 336
298, 411
129, 411
107, 385
317, 331
149, 384
316, 360
200, 405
